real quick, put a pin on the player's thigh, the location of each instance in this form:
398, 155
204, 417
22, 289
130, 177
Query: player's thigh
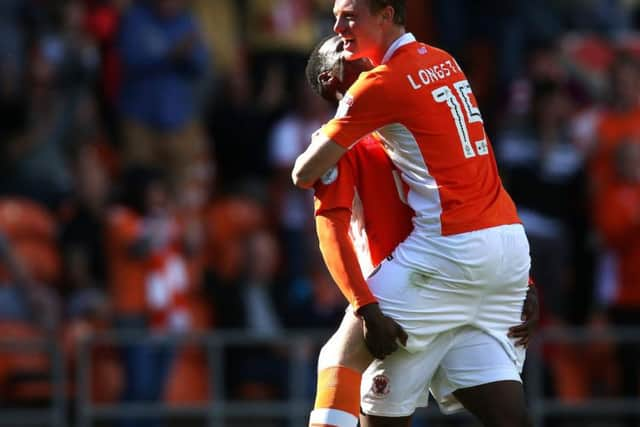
396, 386
375, 421
346, 347
474, 370
507, 410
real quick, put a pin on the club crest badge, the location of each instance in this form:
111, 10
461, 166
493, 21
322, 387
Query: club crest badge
380, 386
330, 176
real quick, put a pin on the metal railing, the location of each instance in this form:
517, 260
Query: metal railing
541, 407
295, 409
54, 415
301, 359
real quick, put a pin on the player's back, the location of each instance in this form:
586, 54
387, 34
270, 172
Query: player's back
422, 107
439, 141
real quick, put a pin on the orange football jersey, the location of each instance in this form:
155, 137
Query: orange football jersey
365, 182
420, 104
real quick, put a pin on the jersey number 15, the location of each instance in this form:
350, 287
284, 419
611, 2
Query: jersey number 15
445, 94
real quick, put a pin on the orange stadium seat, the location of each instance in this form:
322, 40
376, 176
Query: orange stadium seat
188, 381
41, 258
23, 218
25, 376
32, 231
107, 378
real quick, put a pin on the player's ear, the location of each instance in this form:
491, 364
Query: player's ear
388, 13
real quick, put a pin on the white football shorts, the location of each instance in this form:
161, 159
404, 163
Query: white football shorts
457, 329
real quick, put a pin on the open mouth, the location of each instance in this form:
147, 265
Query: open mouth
348, 43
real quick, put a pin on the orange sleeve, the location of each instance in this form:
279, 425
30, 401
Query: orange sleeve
340, 256
365, 108
336, 188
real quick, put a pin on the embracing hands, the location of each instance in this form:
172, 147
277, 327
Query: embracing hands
530, 317
381, 333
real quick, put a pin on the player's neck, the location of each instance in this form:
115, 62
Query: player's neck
389, 37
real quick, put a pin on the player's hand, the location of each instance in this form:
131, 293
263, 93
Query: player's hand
530, 317
381, 333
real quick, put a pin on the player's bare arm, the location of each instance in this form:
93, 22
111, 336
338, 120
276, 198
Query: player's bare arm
316, 160
381, 334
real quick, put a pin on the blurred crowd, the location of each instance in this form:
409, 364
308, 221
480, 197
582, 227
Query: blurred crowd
145, 182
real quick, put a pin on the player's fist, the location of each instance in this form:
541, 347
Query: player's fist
381, 333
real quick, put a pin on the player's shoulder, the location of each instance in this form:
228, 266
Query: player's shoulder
419, 54
376, 77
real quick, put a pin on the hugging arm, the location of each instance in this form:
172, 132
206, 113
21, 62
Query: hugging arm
319, 156
381, 333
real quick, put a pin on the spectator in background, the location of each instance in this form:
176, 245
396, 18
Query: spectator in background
148, 280
293, 207
618, 222
619, 120
238, 121
543, 171
543, 62
72, 51
615, 178
279, 35
102, 20
36, 163
252, 301
163, 59
83, 230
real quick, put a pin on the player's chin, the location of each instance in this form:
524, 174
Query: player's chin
351, 54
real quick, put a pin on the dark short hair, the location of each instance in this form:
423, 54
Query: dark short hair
399, 7
317, 64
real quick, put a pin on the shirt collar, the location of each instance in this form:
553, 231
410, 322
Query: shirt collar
406, 38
